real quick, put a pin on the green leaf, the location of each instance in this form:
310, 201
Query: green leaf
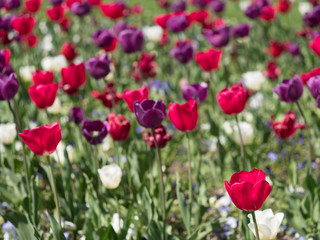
183, 207
57, 232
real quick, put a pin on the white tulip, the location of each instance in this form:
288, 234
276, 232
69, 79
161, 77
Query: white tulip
244, 4
8, 133
246, 133
26, 72
58, 155
253, 80
152, 33
304, 7
110, 175
54, 63
268, 224
55, 108
256, 100
117, 222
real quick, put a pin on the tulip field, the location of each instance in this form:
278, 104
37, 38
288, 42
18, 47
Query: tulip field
160, 119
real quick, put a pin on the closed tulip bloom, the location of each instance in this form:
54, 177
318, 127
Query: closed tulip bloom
178, 6
210, 60
131, 96
162, 137
153, 33
8, 133
312, 18
178, 23
183, 52
4, 58
253, 11
119, 127
102, 37
69, 51
42, 140
253, 80
219, 37
248, 190
98, 67
32, 6
240, 31
287, 127
55, 13
42, 77
314, 88
113, 10
149, 113
246, 130
43, 95
80, 8
109, 97
11, 4
23, 25
73, 77
131, 40
290, 90
268, 224
76, 115
184, 117
119, 27
293, 49
9, 86
196, 91
95, 131
314, 45
217, 6
110, 175
232, 101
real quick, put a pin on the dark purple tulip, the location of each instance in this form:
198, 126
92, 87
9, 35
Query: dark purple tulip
241, 30
5, 22
80, 8
76, 115
9, 86
293, 49
12, 4
98, 67
7, 70
312, 18
183, 52
314, 88
55, 2
102, 38
1, 3
253, 11
131, 40
178, 23
218, 37
119, 27
196, 91
217, 6
149, 113
290, 90
178, 6
95, 131
200, 3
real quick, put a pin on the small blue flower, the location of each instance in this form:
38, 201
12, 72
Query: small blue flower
139, 129
273, 156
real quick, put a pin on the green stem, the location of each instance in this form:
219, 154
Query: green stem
96, 158
309, 138
161, 185
190, 182
255, 225
54, 189
241, 144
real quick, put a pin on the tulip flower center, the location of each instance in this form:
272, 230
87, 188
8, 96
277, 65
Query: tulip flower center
95, 133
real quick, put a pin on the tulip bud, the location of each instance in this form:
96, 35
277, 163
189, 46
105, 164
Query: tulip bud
110, 176
253, 80
9, 86
246, 130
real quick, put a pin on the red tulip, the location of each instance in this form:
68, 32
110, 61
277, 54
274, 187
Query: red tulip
275, 48
162, 19
130, 96
4, 38
109, 96
200, 16
184, 117
71, 2
69, 51
23, 24
43, 95
273, 71
113, 10
119, 127
55, 13
145, 68
112, 46
306, 76
209, 61
42, 77
73, 77
31, 40
315, 45
232, 101
33, 6
248, 190
162, 137
287, 127
283, 6
268, 14
65, 24
42, 140
94, 2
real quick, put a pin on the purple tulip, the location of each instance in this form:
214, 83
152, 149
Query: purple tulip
5, 22
178, 23
80, 8
9, 86
7, 70
149, 113
98, 67
55, 2
241, 30
196, 91
218, 37
12, 4
76, 115
314, 88
1, 4
290, 90
119, 27
95, 131
217, 6
102, 38
312, 18
293, 49
200, 3
178, 6
183, 52
253, 11
131, 40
